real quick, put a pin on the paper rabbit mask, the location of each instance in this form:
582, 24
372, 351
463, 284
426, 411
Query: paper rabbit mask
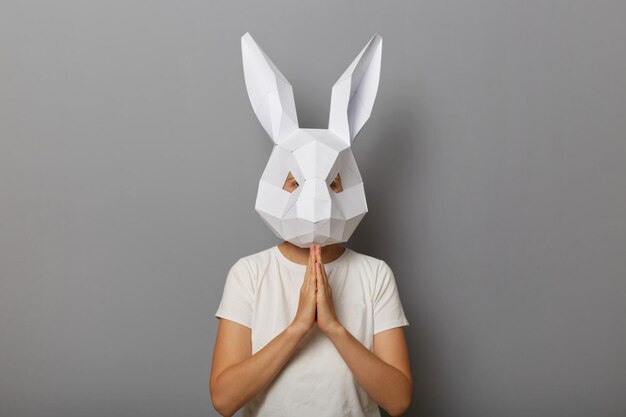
313, 212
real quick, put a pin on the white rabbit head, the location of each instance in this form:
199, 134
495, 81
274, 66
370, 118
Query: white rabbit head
313, 212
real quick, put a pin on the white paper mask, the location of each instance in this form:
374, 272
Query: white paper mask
313, 212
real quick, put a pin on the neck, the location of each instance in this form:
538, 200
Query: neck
301, 255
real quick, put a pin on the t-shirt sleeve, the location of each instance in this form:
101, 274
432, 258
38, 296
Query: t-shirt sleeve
388, 311
238, 295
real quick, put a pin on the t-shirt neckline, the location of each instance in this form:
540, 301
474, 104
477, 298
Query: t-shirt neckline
294, 265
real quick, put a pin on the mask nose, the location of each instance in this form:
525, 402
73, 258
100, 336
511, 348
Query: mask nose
314, 200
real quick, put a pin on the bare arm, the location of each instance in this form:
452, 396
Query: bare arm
237, 375
385, 373
245, 375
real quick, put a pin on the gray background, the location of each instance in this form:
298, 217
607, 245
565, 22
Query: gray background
494, 164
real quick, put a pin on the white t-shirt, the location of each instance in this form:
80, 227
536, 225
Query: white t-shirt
262, 292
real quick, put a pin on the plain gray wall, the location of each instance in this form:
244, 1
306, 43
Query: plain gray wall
494, 164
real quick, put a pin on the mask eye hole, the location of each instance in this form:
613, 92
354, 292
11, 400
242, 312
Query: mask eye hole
290, 183
336, 184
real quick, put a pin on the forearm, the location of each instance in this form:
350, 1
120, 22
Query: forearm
389, 387
239, 383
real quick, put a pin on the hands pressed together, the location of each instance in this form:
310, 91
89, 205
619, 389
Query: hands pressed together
316, 301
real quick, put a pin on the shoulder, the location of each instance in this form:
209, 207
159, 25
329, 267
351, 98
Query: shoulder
252, 263
371, 264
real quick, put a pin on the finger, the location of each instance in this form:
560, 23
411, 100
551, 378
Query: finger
325, 279
320, 278
324, 274
318, 255
310, 262
311, 269
317, 280
307, 274
311, 256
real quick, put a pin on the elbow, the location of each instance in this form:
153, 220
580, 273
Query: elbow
401, 407
218, 402
221, 413
398, 411
221, 408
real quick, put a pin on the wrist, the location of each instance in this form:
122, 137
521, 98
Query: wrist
335, 330
297, 329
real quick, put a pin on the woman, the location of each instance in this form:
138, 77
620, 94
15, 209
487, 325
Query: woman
306, 330
343, 353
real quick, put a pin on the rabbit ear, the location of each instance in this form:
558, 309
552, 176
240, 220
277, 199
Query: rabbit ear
354, 92
270, 93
